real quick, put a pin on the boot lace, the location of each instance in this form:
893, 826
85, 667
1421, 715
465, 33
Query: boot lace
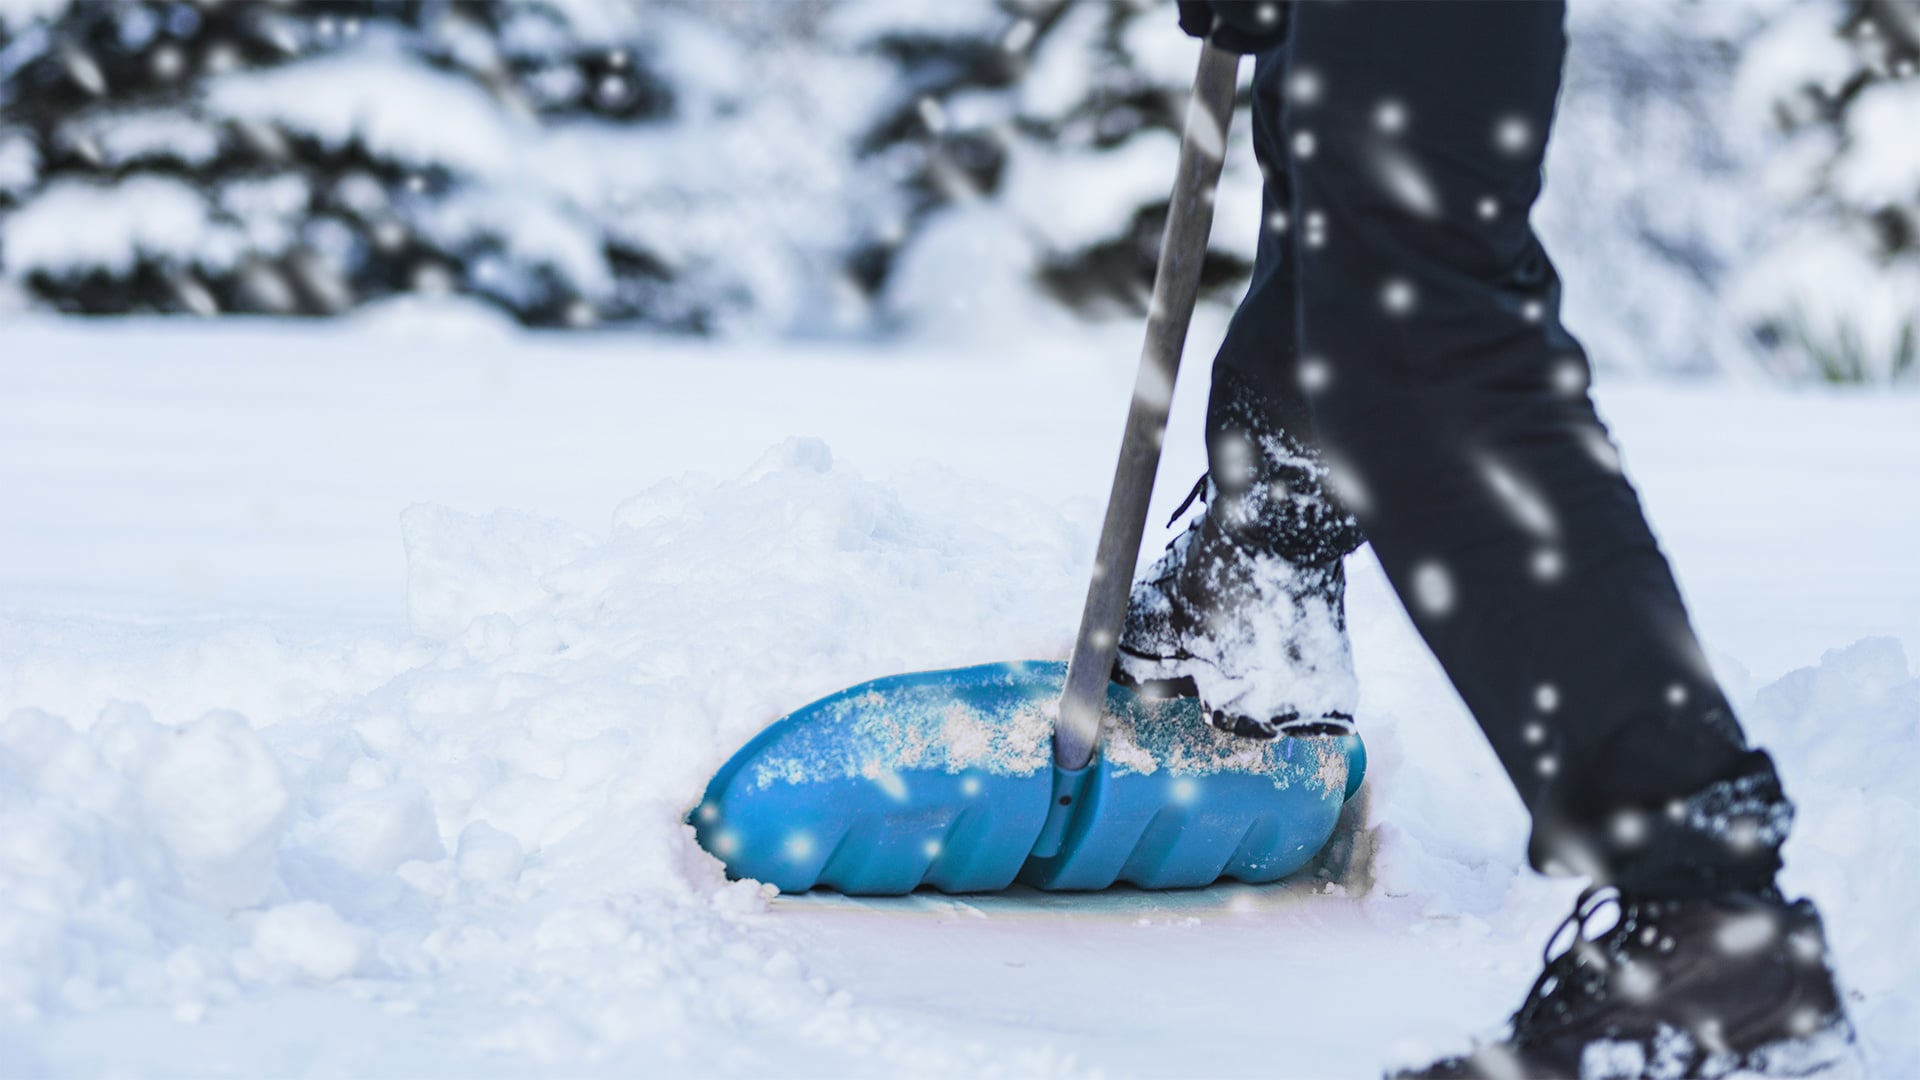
1199, 493
1574, 981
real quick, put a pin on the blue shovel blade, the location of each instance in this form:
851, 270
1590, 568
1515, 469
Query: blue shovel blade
946, 779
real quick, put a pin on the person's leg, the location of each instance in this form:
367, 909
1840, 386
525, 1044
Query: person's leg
1454, 406
1261, 350
1257, 396
1246, 609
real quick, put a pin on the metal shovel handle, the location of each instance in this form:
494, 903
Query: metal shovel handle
1176, 285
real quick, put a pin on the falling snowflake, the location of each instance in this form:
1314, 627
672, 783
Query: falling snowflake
1546, 697
1316, 235
1601, 450
1390, 117
1397, 297
1526, 504
1513, 135
1405, 181
1304, 88
1630, 828
1433, 589
1570, 377
1548, 564
1315, 374
932, 114
167, 63
1019, 36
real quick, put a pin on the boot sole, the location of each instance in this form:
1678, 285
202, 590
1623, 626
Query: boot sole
1832, 1053
1332, 726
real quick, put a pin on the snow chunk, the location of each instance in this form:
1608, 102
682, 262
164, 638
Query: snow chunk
375, 832
487, 854
215, 797
796, 455
306, 941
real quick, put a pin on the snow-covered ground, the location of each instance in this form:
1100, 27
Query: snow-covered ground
354, 682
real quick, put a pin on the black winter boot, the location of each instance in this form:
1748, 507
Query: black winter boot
1246, 608
1733, 985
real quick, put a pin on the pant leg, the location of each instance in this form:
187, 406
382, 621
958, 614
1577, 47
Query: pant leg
1260, 454
1453, 405
1261, 350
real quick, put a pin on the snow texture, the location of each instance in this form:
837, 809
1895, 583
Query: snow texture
243, 805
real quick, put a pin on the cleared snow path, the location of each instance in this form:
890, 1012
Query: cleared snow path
353, 682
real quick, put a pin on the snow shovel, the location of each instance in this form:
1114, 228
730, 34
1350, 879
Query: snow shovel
1041, 772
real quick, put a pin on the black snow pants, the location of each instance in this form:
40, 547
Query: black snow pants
1404, 320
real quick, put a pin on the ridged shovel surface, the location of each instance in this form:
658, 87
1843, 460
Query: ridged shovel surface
946, 779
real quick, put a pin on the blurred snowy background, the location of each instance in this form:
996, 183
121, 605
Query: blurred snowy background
1734, 188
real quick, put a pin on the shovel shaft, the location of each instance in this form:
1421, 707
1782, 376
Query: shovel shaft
1176, 285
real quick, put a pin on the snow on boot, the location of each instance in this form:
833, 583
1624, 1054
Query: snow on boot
1733, 985
1246, 610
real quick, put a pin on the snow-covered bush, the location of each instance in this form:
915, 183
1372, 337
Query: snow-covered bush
686, 165
569, 162
1646, 205
1063, 117
931, 166
1835, 295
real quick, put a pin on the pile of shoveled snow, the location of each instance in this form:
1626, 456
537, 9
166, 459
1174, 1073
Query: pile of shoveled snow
485, 822
1848, 735
464, 850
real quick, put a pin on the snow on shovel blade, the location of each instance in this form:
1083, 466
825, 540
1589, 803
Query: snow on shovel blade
946, 779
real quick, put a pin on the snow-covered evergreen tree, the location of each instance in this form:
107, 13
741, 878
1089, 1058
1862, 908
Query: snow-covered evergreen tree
800, 167
1037, 139
571, 162
1836, 294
